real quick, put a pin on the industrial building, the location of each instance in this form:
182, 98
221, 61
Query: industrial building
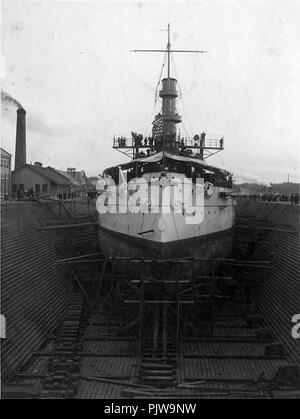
43, 181
5, 173
78, 181
48, 182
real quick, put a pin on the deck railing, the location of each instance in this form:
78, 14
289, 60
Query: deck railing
186, 142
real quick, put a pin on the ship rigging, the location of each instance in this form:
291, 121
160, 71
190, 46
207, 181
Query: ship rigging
169, 162
164, 136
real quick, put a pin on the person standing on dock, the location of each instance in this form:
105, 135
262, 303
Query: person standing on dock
292, 199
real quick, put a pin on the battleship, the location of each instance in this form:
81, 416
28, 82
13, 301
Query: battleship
167, 159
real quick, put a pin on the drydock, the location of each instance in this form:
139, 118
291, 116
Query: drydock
80, 325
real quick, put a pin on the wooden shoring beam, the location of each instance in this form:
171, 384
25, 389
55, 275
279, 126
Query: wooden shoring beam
191, 325
141, 319
218, 379
85, 354
180, 282
127, 326
30, 375
158, 302
131, 285
81, 287
195, 288
233, 356
173, 260
178, 312
108, 338
227, 339
218, 278
71, 262
101, 279
108, 295
213, 301
233, 262
165, 330
216, 296
250, 264
112, 381
79, 257
64, 226
156, 330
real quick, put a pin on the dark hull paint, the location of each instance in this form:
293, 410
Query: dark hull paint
217, 245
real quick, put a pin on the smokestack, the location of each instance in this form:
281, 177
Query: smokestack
20, 154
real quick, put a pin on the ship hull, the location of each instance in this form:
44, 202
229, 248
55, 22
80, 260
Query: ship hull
215, 245
170, 233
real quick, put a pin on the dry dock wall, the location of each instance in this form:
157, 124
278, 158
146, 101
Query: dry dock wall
34, 293
278, 296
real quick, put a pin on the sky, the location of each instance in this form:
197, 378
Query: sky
69, 64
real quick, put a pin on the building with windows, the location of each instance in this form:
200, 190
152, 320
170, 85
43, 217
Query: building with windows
5, 173
37, 180
78, 181
47, 181
44, 181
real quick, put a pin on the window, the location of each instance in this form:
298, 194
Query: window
37, 188
15, 188
45, 188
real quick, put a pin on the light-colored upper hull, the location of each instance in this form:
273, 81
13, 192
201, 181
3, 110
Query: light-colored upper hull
169, 236
217, 215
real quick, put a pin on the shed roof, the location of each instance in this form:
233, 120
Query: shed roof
5, 153
76, 178
50, 173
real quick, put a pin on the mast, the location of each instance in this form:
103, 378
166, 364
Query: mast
164, 133
164, 125
169, 50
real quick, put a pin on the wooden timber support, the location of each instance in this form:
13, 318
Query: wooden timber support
66, 226
162, 306
213, 293
244, 263
80, 286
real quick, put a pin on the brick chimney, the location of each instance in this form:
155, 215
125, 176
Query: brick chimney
20, 153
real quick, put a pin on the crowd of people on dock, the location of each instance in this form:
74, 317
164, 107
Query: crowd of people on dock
293, 199
31, 195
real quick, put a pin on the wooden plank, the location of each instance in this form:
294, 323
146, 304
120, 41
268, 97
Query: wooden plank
66, 226
116, 382
158, 302
88, 354
234, 356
